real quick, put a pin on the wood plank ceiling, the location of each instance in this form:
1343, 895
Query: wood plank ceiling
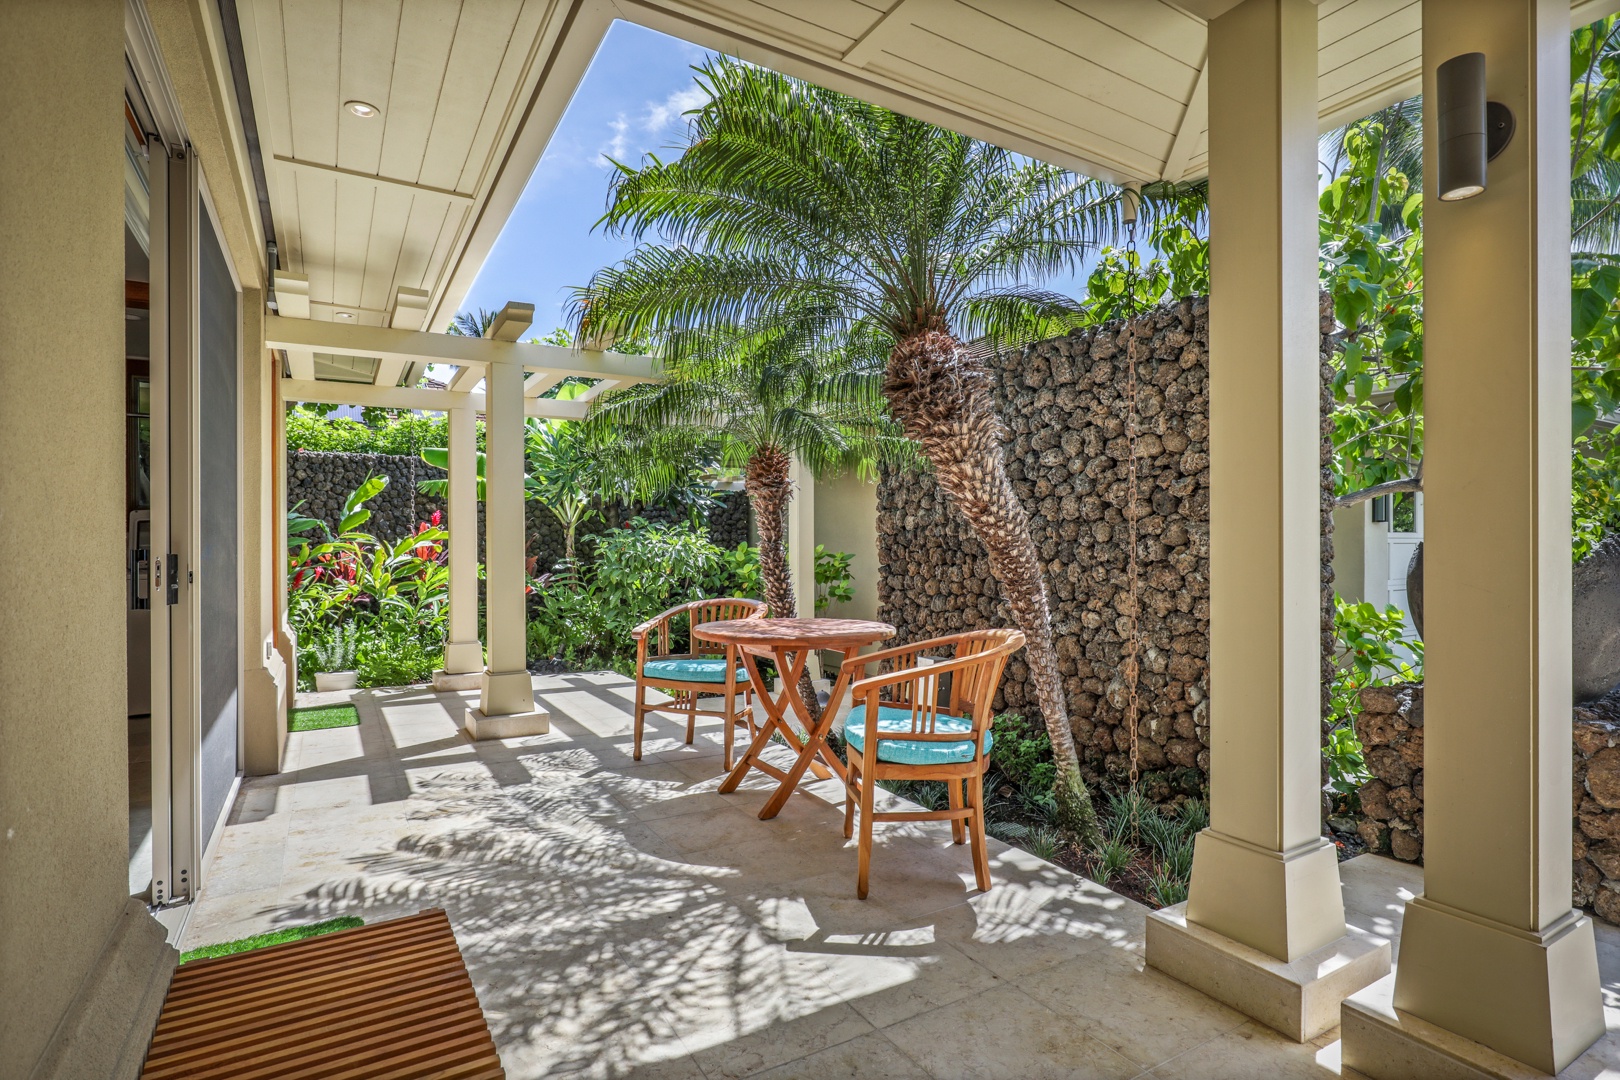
365, 206
407, 199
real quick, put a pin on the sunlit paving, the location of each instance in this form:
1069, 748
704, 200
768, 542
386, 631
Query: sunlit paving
620, 918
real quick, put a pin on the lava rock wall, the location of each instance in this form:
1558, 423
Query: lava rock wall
1064, 402
1390, 727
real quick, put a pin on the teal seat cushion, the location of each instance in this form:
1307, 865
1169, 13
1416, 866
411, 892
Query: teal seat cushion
913, 751
692, 670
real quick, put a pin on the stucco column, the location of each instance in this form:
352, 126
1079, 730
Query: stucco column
463, 652
801, 540
1265, 883
1491, 950
506, 695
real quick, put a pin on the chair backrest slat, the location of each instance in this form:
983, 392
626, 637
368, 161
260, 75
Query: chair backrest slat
973, 686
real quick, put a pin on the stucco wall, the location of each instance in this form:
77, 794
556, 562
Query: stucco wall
846, 520
63, 755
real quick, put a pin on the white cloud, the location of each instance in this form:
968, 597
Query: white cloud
616, 146
628, 140
661, 115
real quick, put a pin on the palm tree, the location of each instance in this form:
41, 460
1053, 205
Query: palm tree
795, 209
756, 402
470, 324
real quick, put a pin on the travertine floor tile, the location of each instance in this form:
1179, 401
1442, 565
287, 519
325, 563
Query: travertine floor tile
1005, 1033
622, 918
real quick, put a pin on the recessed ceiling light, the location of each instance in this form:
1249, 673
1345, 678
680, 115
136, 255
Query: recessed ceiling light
345, 314
363, 109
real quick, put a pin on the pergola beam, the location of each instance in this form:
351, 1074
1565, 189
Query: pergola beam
466, 378
404, 397
538, 383
414, 345
513, 319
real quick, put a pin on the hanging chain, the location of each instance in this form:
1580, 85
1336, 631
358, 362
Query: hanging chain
1132, 645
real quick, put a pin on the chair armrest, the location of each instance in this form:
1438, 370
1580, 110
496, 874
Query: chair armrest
861, 660
910, 674
641, 631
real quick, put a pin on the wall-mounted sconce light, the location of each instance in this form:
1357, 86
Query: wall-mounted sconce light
1380, 508
1472, 130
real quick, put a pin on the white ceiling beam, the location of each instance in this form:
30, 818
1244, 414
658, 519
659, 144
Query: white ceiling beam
887, 28
558, 66
512, 320
301, 364
343, 339
410, 309
552, 409
390, 370
539, 382
1584, 12
1194, 120
329, 172
366, 394
292, 302
292, 295
421, 400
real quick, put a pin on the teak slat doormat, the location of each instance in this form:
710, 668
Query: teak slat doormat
390, 1001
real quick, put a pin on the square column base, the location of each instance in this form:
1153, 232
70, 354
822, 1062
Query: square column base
464, 657
504, 692
1380, 1042
1479, 998
508, 725
1283, 903
446, 681
1300, 999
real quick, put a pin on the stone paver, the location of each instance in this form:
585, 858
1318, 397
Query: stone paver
621, 918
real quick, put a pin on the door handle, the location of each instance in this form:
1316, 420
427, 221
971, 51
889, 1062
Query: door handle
173, 570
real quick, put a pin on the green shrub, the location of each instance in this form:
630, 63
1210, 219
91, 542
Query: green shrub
397, 654
588, 613
1112, 857
1023, 752
1166, 886
308, 428
1368, 653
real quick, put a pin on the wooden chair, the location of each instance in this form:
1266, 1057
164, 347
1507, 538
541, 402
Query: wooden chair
705, 668
897, 730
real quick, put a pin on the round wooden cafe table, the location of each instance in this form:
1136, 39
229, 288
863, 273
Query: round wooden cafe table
789, 643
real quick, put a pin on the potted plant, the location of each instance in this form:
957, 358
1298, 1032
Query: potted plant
334, 658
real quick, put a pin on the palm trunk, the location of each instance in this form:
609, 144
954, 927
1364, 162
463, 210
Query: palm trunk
770, 489
942, 398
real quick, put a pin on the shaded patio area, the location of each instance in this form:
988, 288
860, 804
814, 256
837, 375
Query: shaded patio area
621, 918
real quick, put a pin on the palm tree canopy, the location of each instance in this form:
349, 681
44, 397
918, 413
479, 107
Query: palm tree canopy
728, 395
798, 208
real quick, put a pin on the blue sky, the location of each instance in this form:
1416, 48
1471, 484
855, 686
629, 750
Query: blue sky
629, 103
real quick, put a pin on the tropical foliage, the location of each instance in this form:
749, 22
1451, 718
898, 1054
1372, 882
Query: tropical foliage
583, 615
310, 428
1372, 648
360, 603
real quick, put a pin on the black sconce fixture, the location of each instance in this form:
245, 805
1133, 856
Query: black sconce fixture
1380, 508
1472, 130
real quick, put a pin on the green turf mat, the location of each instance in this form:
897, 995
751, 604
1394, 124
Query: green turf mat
274, 937
318, 717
